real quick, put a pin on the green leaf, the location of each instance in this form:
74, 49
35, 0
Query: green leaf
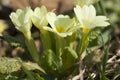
100, 40
103, 77
94, 33
8, 77
9, 65
33, 66
15, 42
29, 73
70, 40
38, 77
69, 58
50, 62
105, 37
105, 58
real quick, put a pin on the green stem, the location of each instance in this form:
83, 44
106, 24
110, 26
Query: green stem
31, 46
82, 45
46, 40
70, 40
60, 44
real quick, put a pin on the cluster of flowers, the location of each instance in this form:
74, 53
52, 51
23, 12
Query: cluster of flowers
59, 38
62, 25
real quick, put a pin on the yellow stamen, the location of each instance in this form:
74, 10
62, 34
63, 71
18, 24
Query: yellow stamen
60, 29
85, 29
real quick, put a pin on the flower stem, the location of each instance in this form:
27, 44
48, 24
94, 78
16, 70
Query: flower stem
59, 45
82, 45
46, 40
31, 46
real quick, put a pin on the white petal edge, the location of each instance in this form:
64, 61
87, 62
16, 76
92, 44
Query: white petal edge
78, 13
51, 17
101, 21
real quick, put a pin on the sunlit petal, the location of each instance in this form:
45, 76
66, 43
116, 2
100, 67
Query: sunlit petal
88, 19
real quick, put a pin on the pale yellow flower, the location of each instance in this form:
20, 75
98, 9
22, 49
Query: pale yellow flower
22, 19
39, 17
61, 25
88, 19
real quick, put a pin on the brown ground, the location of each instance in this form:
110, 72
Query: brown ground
50, 4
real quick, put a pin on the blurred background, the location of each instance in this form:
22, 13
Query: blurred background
109, 8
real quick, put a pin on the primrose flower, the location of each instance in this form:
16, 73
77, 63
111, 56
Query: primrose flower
88, 19
81, 3
39, 17
61, 25
22, 19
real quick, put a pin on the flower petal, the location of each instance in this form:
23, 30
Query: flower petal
48, 29
64, 22
51, 17
92, 12
87, 17
78, 13
101, 21
22, 19
39, 17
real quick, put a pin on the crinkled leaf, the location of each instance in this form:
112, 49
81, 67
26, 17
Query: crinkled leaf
50, 61
33, 66
95, 33
100, 40
9, 65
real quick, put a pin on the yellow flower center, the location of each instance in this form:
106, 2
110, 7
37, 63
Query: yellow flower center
85, 29
60, 29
